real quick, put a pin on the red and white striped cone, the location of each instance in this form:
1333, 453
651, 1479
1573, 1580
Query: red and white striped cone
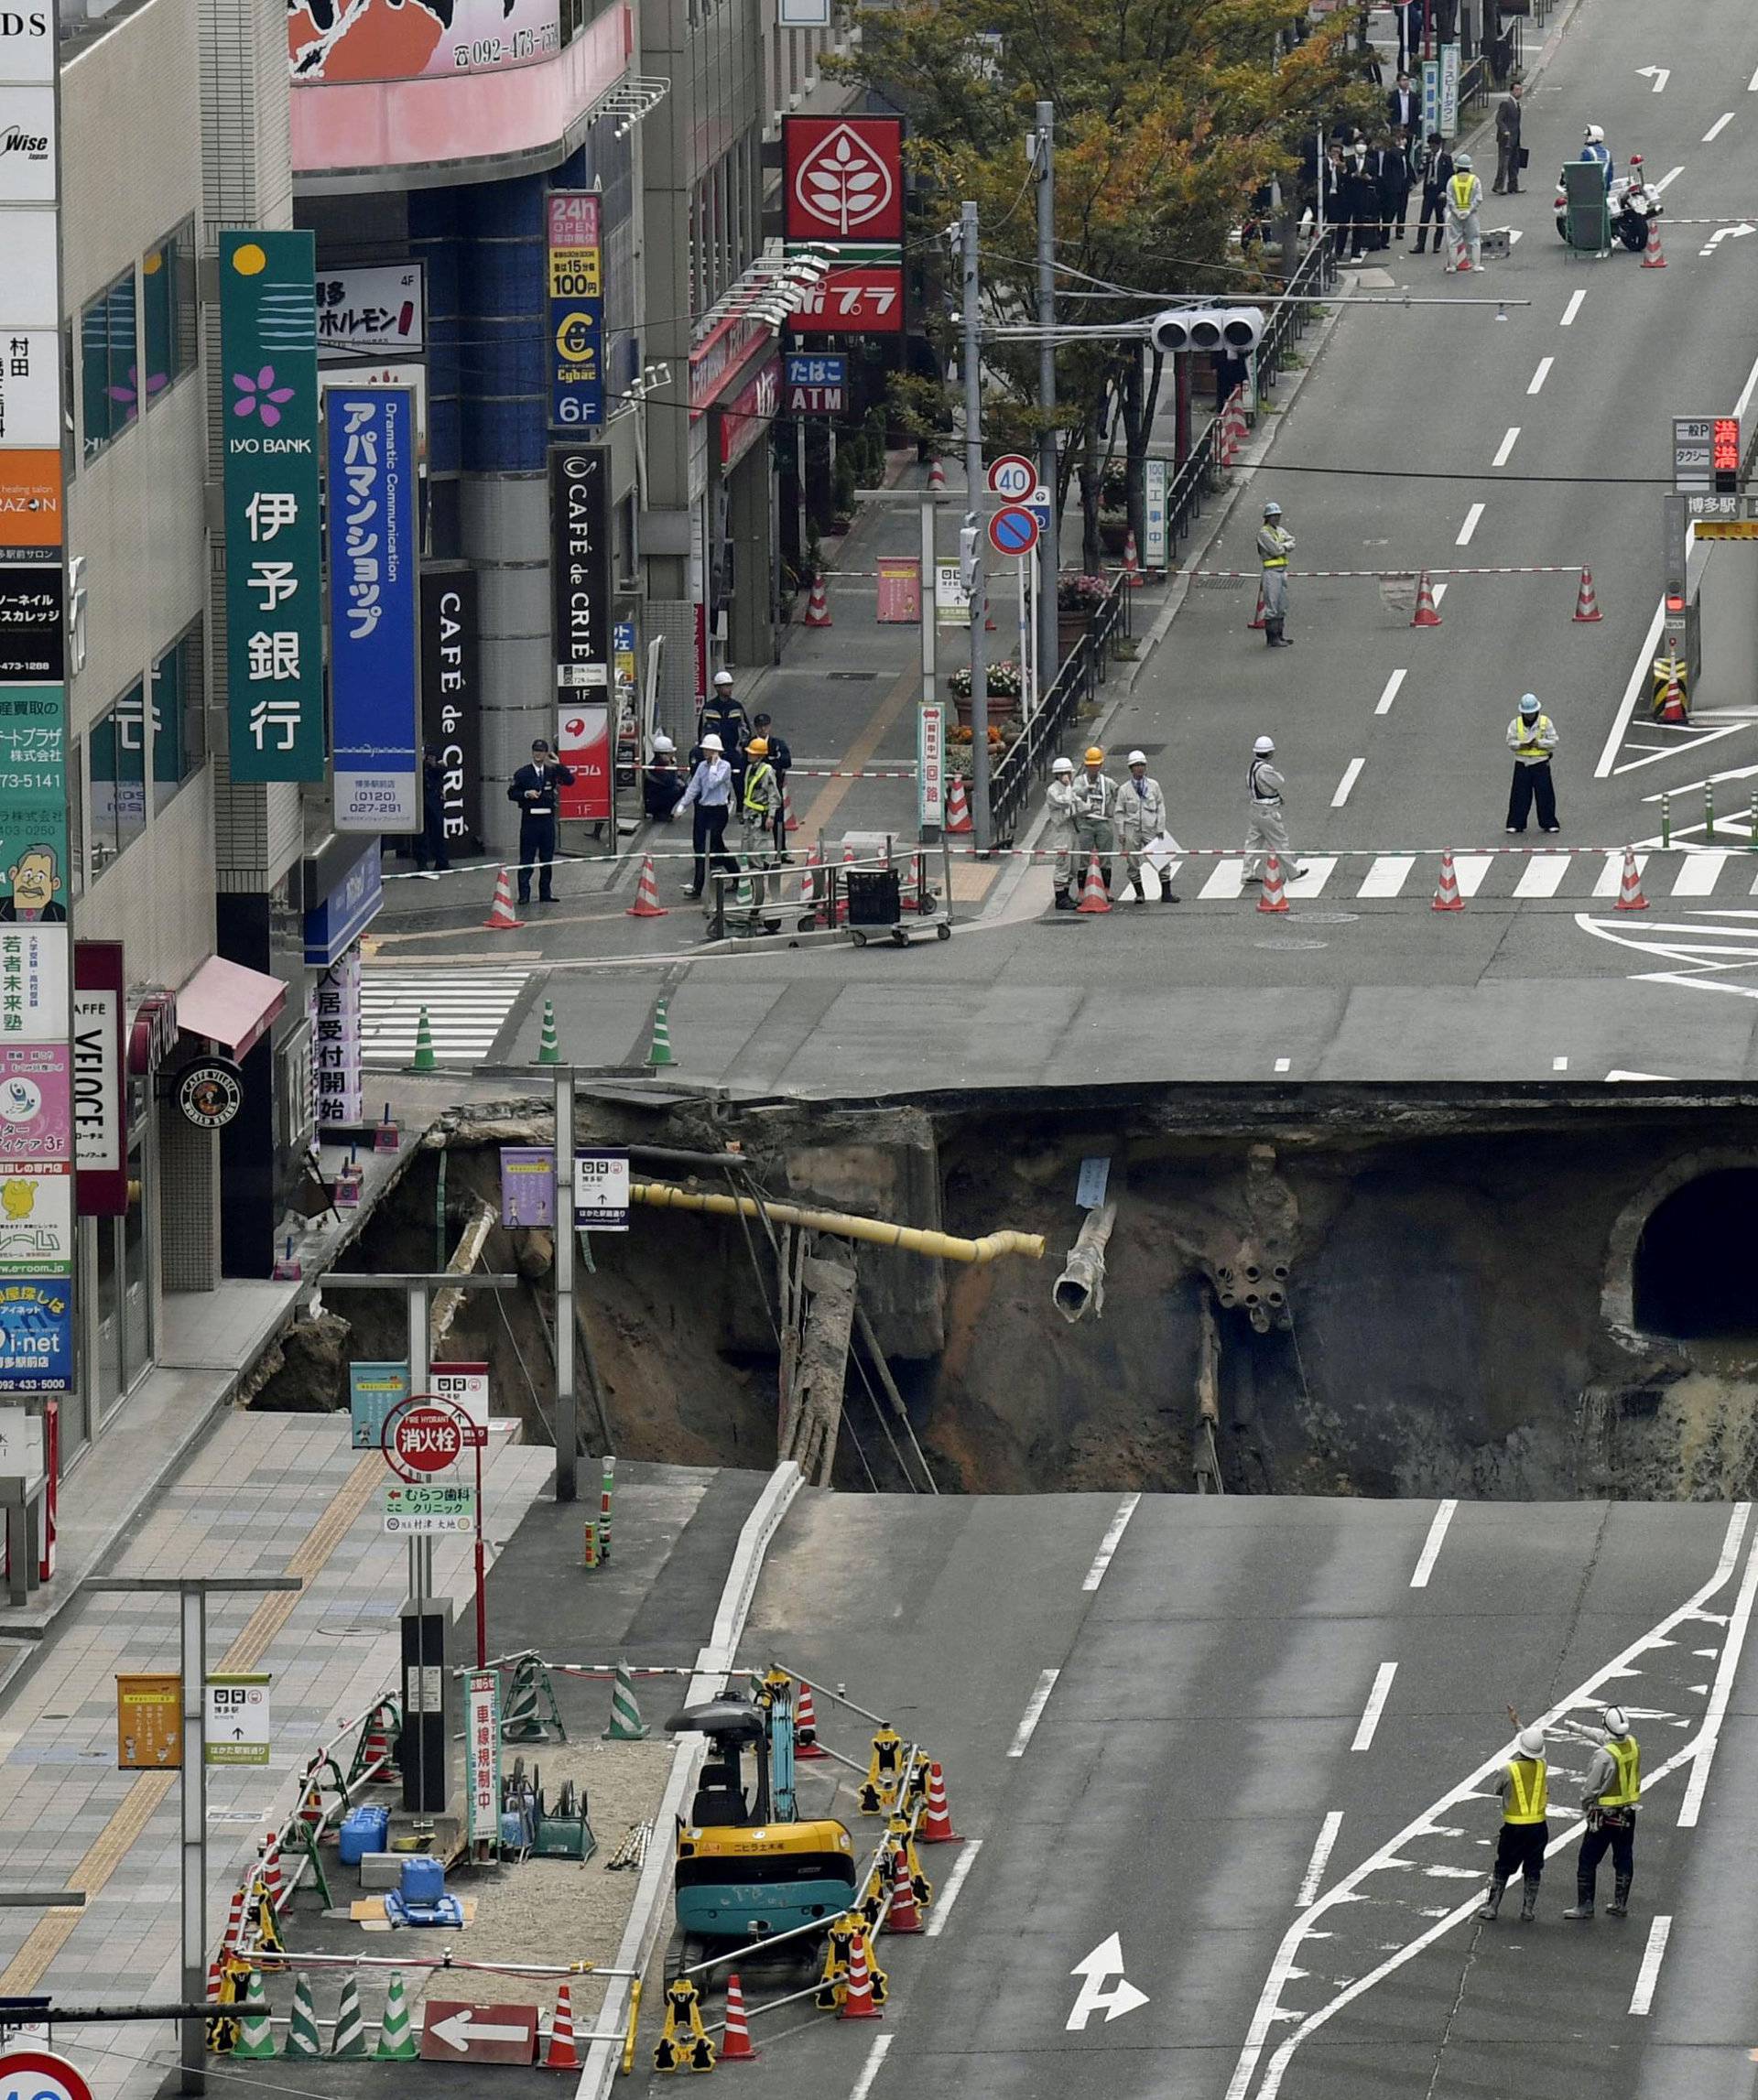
735, 2038
502, 918
908, 903
1132, 576
376, 1750
806, 1742
1447, 897
859, 2002
273, 1887
789, 822
646, 905
1629, 897
812, 885
1672, 704
903, 1915
1652, 258
563, 2055
1587, 607
233, 1935
1272, 897
958, 807
1094, 896
1256, 621
1428, 613
311, 1807
818, 606
843, 900
936, 1824
935, 475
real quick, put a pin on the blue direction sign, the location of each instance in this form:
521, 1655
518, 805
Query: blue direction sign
1013, 530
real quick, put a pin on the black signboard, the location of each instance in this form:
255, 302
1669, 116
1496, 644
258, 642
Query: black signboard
32, 621
452, 697
580, 515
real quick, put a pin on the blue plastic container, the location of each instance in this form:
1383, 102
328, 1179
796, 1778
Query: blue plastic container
362, 1830
424, 1879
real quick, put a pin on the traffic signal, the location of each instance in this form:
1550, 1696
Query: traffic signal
968, 553
1235, 329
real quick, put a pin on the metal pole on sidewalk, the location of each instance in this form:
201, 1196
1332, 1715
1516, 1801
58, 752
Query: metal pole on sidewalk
1049, 539
972, 355
926, 600
567, 1404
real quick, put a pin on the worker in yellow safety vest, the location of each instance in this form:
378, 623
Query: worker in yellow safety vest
1610, 1794
1464, 194
1275, 545
1522, 1785
759, 805
1531, 738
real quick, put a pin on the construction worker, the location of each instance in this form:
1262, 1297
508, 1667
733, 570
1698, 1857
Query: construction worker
759, 805
662, 783
1141, 815
1522, 1784
1610, 1794
1266, 829
781, 760
708, 798
1063, 802
1532, 736
1274, 547
1464, 195
1094, 830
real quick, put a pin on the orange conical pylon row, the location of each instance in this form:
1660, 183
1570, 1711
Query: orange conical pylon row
1447, 897
904, 1916
735, 2039
1272, 897
1094, 896
563, 2055
958, 808
937, 1825
1132, 575
1587, 607
806, 1742
818, 607
646, 905
1629, 897
1426, 614
859, 2003
502, 918
1653, 259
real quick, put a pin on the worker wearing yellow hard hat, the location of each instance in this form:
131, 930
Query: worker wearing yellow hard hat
1095, 830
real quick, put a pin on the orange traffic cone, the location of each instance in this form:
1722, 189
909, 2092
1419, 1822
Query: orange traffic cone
272, 1886
735, 2041
842, 900
563, 2055
1094, 896
1256, 621
1426, 614
958, 808
1271, 897
1629, 897
1672, 704
789, 821
937, 1826
311, 1807
235, 1930
818, 607
858, 2004
935, 474
813, 888
806, 1742
1653, 259
1587, 607
501, 919
1132, 575
646, 905
1447, 897
903, 1915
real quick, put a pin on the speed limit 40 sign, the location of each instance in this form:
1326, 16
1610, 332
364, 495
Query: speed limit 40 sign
1012, 477
37, 2075
601, 1191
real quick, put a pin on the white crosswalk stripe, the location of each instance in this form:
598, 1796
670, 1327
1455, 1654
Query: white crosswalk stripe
466, 1008
1470, 869
1698, 874
1387, 876
1543, 875
1493, 877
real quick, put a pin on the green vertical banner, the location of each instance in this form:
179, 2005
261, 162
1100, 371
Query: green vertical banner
268, 340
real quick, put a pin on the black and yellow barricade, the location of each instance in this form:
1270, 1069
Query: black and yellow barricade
901, 1830
884, 1772
684, 2045
833, 1985
223, 2026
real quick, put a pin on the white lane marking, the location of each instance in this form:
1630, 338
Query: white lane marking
1227, 880
949, 1887
1471, 870
1105, 1961
1375, 1705
1351, 774
1717, 128
1572, 308
1672, 175
1747, 391
1321, 1860
1304, 888
1268, 2013
1391, 692
1504, 451
1107, 1545
1659, 1931
1560, 1064
1543, 875
1431, 1545
1751, 85
1543, 373
1034, 1712
1387, 876
1610, 877
1285, 1063
1698, 874
870, 2070
1627, 706
1716, 1711
1659, 75
1440, 593
1470, 526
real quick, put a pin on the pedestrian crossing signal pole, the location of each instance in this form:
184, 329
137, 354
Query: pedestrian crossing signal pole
971, 538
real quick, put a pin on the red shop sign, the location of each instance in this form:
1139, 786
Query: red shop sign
743, 418
858, 300
844, 177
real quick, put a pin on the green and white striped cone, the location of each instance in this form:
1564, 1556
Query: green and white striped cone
520, 1723
351, 2028
254, 2041
396, 2037
660, 1051
425, 1060
302, 2028
626, 1715
550, 1043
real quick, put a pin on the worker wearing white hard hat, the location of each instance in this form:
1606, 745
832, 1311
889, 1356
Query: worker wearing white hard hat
725, 716
1266, 824
1063, 805
1531, 738
1464, 196
1523, 1785
708, 798
1141, 820
1610, 1794
1275, 545
662, 783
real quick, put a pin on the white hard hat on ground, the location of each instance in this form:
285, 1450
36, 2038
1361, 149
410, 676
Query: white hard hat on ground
722, 679
1263, 744
1532, 1742
712, 742
1138, 758
1061, 765
1617, 1721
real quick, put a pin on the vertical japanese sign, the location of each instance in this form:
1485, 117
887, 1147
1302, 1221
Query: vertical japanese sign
335, 1041
451, 698
930, 764
580, 574
100, 1147
268, 337
576, 256
1448, 126
1154, 484
370, 481
483, 1757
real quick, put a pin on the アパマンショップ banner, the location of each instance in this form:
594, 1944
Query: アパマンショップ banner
334, 41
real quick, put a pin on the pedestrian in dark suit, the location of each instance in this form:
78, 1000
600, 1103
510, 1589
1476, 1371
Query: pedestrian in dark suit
1403, 107
1437, 173
1395, 180
430, 840
534, 792
1507, 142
1361, 202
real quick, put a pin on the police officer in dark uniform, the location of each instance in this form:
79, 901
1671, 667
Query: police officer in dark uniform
723, 716
534, 792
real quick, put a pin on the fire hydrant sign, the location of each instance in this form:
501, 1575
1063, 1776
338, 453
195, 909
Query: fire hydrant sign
601, 1191
483, 1755
237, 1726
419, 1508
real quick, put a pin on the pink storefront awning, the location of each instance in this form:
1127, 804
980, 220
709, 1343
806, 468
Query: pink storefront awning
228, 1004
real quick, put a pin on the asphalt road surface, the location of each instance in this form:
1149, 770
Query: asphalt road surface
1252, 1740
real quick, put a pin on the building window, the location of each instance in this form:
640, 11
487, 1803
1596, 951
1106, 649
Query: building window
167, 308
180, 719
75, 822
118, 779
109, 362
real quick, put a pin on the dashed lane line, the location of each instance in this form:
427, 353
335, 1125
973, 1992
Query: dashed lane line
1314, 1878
870, 2070
1351, 774
1659, 1931
1671, 176
1560, 1064
1504, 450
1572, 308
949, 1889
1393, 686
1034, 1712
1717, 128
1431, 1545
1543, 373
1375, 1705
1470, 525
1107, 1545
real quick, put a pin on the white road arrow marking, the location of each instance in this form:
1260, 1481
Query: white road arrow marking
1660, 75
1726, 234
1105, 1959
459, 2029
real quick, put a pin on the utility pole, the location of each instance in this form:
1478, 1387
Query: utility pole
1049, 539
567, 1406
971, 538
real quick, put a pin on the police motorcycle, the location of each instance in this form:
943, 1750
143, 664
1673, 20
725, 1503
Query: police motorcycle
1631, 203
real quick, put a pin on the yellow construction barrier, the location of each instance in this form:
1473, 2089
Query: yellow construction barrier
884, 1772
684, 2044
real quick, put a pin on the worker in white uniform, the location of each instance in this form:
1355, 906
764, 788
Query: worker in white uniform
1266, 829
1063, 802
1464, 195
1141, 815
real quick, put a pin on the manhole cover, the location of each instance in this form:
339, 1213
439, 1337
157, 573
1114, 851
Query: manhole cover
1328, 918
1289, 941
1219, 582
